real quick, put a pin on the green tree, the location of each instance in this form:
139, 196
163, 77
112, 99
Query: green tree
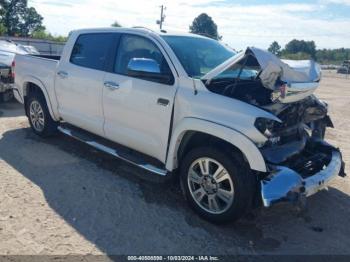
18, 18
275, 48
296, 46
333, 56
3, 29
32, 22
116, 24
42, 34
204, 25
296, 56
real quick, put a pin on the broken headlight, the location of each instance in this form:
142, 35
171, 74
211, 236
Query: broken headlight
265, 126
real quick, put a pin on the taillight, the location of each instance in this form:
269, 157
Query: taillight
13, 69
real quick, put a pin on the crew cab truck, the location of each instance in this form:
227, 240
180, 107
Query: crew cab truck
235, 127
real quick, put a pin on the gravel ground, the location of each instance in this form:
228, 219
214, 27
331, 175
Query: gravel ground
58, 196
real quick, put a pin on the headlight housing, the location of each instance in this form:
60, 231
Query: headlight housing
265, 127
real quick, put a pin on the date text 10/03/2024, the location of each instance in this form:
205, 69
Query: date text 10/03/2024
173, 258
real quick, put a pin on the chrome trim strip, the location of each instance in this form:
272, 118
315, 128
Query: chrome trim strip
113, 152
64, 131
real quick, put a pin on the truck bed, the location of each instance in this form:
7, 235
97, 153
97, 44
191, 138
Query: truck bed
41, 68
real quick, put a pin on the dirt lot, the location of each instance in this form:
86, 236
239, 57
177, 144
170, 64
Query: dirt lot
58, 196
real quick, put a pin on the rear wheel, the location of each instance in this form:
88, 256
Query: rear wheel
217, 184
39, 116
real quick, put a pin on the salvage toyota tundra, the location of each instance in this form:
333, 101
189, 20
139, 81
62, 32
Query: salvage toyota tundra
235, 127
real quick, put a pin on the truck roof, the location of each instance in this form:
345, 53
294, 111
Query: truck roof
136, 29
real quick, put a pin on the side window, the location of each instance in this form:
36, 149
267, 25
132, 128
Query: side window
137, 47
91, 50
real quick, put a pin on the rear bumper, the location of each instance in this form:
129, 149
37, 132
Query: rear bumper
5, 86
285, 184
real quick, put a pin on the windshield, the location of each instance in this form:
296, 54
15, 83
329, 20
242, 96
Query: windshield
198, 55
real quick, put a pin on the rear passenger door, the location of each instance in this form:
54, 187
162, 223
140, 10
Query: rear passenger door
138, 109
79, 82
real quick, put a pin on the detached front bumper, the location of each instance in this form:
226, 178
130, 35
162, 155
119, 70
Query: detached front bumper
286, 184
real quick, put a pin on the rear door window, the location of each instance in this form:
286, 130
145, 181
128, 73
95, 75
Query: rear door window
92, 50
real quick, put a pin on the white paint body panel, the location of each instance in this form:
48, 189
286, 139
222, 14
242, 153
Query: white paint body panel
40, 72
79, 97
131, 116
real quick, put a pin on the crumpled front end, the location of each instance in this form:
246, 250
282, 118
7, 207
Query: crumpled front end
316, 166
300, 162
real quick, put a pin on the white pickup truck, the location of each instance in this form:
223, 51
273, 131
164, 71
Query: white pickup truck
237, 128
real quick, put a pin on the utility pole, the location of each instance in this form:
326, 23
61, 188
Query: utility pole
162, 16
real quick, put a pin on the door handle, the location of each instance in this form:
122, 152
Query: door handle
163, 102
111, 85
62, 74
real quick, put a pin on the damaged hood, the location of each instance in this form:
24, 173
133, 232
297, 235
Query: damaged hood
300, 77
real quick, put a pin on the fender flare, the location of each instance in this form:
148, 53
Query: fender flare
237, 139
37, 82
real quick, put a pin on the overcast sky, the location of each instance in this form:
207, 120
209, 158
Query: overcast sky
241, 23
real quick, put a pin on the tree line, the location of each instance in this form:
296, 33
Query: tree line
17, 19
295, 49
301, 49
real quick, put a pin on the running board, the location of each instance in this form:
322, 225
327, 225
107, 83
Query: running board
132, 159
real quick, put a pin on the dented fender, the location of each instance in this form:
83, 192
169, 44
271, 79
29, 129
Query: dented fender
237, 139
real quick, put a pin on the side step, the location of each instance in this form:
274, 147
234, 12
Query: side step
113, 149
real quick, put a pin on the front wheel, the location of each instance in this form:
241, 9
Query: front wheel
217, 184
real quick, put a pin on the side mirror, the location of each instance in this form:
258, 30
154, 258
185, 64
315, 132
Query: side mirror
148, 69
143, 65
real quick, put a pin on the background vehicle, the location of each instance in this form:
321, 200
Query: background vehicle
8, 50
236, 127
29, 49
345, 68
7, 54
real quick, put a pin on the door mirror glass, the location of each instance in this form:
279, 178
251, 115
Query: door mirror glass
148, 69
143, 65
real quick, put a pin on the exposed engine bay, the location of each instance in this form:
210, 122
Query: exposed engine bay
260, 78
245, 88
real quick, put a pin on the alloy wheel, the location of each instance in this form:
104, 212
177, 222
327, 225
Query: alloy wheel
37, 117
210, 185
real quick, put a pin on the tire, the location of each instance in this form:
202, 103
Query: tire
238, 183
39, 116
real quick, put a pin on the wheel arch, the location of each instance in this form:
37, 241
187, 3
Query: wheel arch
32, 84
192, 131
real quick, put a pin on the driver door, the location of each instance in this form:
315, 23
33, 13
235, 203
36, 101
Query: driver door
138, 109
